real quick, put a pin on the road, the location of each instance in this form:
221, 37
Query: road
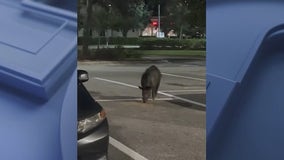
171, 127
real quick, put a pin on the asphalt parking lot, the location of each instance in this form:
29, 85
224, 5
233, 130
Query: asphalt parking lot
171, 127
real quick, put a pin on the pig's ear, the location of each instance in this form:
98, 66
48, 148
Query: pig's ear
140, 87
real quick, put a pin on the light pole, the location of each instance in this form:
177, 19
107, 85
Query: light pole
108, 27
159, 19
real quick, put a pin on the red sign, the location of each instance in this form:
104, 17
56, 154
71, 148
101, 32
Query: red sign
154, 23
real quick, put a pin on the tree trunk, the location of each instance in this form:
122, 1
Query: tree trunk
124, 33
87, 29
98, 47
180, 32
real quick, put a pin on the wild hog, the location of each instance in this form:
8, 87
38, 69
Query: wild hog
150, 82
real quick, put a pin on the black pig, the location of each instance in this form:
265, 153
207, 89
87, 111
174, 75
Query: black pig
150, 82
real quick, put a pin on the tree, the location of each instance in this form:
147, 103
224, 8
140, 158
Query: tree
183, 16
131, 14
114, 15
152, 6
141, 15
178, 16
100, 20
87, 27
80, 16
198, 14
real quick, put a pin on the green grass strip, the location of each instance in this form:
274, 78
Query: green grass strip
174, 52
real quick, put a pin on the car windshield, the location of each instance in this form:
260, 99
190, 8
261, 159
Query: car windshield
87, 106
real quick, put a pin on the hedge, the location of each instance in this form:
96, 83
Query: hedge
192, 44
112, 54
112, 41
152, 43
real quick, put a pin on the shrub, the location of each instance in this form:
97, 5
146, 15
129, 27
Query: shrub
194, 44
112, 54
151, 43
174, 44
112, 41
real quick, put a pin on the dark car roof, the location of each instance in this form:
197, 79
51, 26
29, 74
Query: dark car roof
87, 106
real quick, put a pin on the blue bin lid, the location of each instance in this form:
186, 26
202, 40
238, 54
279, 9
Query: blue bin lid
244, 57
38, 45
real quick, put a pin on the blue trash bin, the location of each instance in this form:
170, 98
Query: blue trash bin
245, 80
38, 45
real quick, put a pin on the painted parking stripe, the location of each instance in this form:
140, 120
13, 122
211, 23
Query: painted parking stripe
131, 99
128, 151
115, 82
185, 90
186, 77
166, 94
183, 99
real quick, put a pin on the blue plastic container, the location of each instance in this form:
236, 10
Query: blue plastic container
38, 46
245, 80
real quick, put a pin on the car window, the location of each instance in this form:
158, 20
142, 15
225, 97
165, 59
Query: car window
87, 106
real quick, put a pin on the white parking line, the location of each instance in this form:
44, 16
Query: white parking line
185, 90
166, 94
131, 153
186, 77
183, 99
131, 99
116, 82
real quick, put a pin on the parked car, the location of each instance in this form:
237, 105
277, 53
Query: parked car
93, 129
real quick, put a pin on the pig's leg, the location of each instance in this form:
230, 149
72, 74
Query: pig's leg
156, 89
153, 94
